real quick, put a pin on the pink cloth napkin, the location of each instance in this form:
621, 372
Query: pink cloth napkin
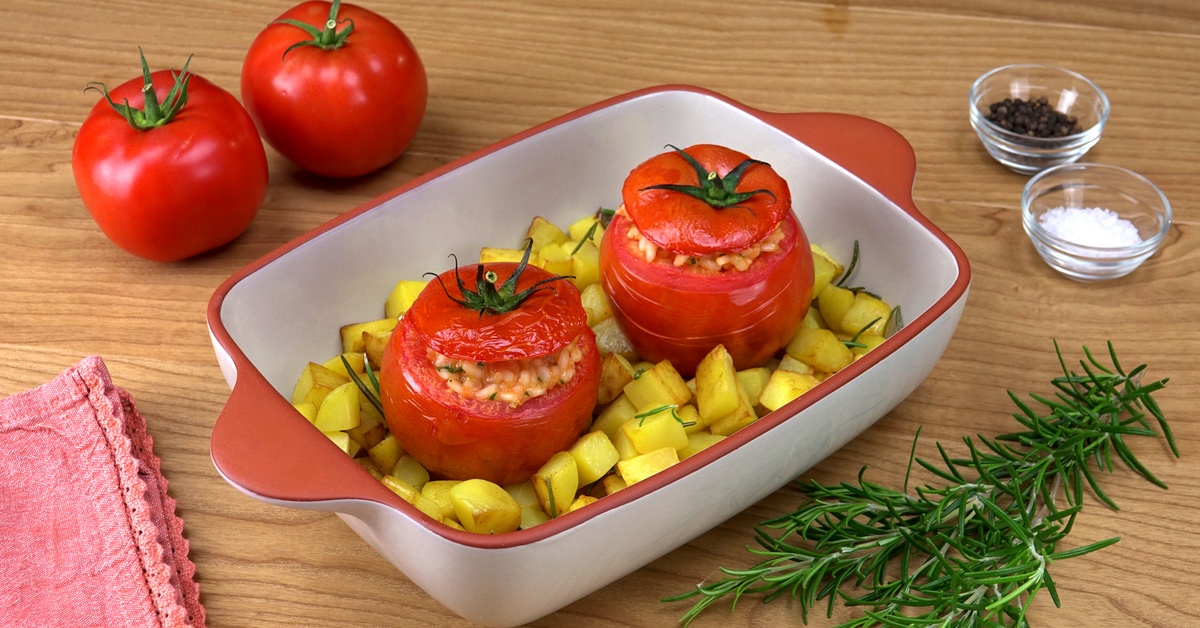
88, 534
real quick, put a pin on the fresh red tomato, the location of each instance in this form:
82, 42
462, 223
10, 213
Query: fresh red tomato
698, 202
337, 89
464, 436
170, 176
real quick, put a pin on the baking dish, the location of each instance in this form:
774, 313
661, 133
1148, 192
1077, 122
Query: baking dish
851, 180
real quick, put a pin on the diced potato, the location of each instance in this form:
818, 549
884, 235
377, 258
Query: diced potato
690, 417
402, 297
578, 230
610, 339
753, 380
586, 267
659, 386
613, 483
625, 448
655, 431
784, 386
594, 456
741, 417
866, 311
615, 373
698, 442
490, 254
341, 440
524, 493
556, 483
451, 523
871, 341
825, 268
371, 428
716, 385
438, 492
637, 469
485, 508
554, 260
820, 349
595, 303
408, 469
315, 382
306, 410
374, 343
339, 410
386, 454
335, 364
352, 335
533, 516
833, 302
369, 465
612, 417
401, 488
813, 320
788, 363
581, 501
544, 234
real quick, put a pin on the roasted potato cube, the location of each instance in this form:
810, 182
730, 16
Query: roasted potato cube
867, 312
784, 386
690, 417
532, 516
637, 469
485, 508
813, 320
659, 386
581, 501
315, 382
374, 343
825, 268
306, 410
556, 483
699, 442
386, 454
615, 373
614, 415
408, 469
741, 417
716, 385
788, 363
655, 431
595, 303
369, 465
524, 493
613, 483
820, 348
352, 335
870, 341
438, 492
594, 456
832, 302
402, 297
752, 381
371, 428
610, 339
342, 441
579, 229
356, 364
401, 488
586, 264
339, 410
544, 234
625, 448
490, 254
555, 260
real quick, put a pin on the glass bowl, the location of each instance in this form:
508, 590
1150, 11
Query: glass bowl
1068, 93
1093, 222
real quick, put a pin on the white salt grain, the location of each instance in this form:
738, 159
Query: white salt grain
1090, 226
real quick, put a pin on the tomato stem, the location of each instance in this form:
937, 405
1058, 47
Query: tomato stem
154, 114
718, 192
487, 297
328, 38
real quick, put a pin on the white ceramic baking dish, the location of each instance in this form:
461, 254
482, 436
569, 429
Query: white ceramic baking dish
851, 179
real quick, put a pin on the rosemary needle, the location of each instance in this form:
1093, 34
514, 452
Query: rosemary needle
975, 551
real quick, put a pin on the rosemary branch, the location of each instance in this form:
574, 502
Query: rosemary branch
976, 551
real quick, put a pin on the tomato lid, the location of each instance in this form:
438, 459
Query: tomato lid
705, 199
541, 323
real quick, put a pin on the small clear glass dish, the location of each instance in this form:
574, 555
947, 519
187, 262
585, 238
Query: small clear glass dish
1076, 215
1067, 92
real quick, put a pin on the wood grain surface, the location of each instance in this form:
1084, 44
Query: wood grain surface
496, 68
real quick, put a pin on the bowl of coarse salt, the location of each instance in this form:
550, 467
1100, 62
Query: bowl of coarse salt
1093, 222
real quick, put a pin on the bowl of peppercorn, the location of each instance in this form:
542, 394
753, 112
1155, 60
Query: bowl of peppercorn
1033, 117
1093, 222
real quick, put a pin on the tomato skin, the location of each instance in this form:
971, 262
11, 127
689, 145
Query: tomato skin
342, 112
171, 192
546, 321
689, 226
681, 313
459, 438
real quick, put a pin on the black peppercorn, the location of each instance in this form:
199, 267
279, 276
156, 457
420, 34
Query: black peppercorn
1034, 118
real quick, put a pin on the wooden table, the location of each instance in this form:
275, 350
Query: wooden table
498, 68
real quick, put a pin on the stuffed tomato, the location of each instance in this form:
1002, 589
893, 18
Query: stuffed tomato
491, 372
705, 250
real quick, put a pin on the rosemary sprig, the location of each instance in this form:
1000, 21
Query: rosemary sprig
976, 551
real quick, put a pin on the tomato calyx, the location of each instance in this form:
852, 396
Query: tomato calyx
487, 297
329, 38
154, 114
719, 192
